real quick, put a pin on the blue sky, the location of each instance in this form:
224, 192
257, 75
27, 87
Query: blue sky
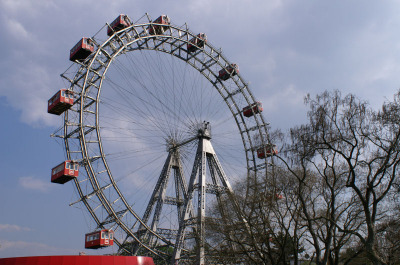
285, 49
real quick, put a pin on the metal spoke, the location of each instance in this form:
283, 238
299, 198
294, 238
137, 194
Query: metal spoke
138, 95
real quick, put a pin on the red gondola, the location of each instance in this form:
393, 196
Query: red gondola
159, 29
121, 22
250, 110
60, 102
267, 151
64, 172
81, 50
99, 239
225, 74
196, 42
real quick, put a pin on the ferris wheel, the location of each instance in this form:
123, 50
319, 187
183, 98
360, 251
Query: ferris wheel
160, 124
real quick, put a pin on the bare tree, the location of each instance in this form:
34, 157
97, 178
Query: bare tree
328, 194
388, 234
272, 233
356, 151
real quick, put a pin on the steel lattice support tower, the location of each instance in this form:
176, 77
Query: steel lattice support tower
205, 158
159, 198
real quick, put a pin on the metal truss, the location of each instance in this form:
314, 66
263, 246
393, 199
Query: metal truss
159, 199
97, 188
216, 184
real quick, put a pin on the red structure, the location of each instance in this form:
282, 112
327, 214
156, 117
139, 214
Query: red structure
99, 239
81, 50
121, 22
64, 172
197, 41
159, 29
225, 74
250, 110
78, 260
267, 151
60, 102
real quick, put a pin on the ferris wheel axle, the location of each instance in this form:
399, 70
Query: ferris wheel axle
203, 132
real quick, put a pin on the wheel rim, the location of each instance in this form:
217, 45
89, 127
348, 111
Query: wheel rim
84, 132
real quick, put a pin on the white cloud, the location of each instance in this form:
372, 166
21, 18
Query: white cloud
27, 86
315, 46
289, 96
35, 184
17, 30
12, 228
24, 248
29, 8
